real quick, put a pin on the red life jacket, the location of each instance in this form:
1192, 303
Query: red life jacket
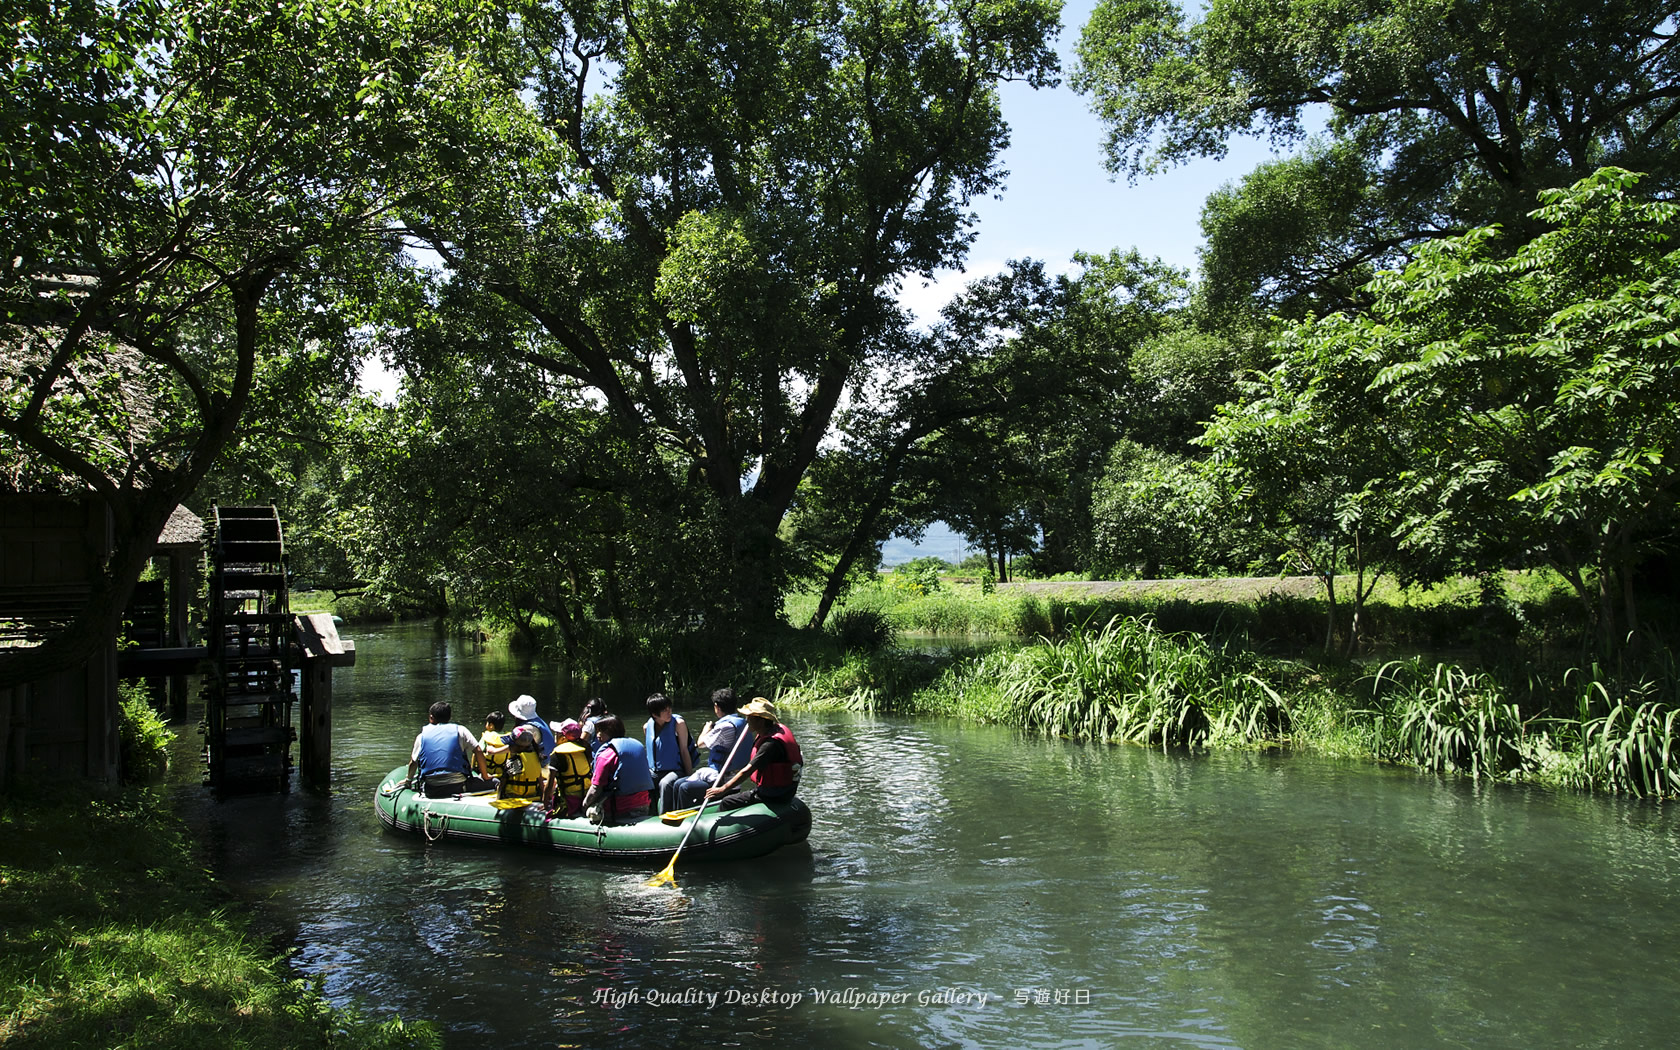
781, 774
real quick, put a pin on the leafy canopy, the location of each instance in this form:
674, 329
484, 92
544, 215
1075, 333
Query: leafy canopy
1442, 116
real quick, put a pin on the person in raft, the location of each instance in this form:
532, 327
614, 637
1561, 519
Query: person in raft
530, 743
566, 777
493, 748
717, 740
670, 751
776, 762
441, 762
593, 711
620, 784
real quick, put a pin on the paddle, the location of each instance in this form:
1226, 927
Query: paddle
668, 877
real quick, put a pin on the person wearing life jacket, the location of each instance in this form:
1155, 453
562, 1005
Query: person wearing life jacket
441, 762
493, 748
530, 742
717, 740
621, 783
669, 750
776, 763
566, 777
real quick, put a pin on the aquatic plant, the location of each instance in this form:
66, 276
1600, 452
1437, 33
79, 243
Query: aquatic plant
866, 629
1130, 681
1632, 746
1450, 720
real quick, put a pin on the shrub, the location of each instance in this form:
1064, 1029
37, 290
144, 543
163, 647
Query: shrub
861, 629
143, 737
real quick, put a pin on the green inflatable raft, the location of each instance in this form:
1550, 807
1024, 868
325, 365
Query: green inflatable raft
750, 831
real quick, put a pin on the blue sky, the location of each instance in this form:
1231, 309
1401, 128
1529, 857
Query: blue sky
1059, 199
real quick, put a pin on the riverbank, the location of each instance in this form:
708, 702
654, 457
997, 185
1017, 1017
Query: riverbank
116, 937
1157, 668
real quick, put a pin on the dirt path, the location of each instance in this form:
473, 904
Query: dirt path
1234, 588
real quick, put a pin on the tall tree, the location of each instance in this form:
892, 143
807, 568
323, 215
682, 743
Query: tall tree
185, 186
1013, 474
1442, 115
1544, 385
705, 210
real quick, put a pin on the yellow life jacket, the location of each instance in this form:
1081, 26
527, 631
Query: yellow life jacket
494, 765
570, 762
524, 776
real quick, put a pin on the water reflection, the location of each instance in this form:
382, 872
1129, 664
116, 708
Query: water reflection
1095, 896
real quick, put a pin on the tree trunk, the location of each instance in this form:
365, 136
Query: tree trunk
862, 530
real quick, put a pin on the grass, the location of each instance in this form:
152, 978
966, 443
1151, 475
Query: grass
1287, 616
1132, 681
112, 937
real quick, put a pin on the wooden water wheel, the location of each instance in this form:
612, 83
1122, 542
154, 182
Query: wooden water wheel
248, 694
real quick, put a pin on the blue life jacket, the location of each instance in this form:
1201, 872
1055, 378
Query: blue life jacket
440, 750
663, 748
718, 754
545, 738
633, 772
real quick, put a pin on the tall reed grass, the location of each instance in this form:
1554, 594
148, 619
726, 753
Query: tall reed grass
1130, 681
1447, 719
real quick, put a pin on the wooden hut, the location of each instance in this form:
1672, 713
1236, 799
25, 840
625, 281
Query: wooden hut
64, 726
52, 550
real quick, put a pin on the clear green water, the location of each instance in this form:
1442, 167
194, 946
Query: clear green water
1094, 896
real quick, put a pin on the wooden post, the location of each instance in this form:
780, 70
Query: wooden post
323, 650
179, 576
315, 745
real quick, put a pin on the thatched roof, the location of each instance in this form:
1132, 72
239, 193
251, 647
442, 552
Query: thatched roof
184, 530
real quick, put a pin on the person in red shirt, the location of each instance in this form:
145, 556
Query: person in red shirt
776, 764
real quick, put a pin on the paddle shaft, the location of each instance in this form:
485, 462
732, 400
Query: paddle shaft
739, 736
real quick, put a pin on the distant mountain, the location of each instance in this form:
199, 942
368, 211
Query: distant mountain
939, 542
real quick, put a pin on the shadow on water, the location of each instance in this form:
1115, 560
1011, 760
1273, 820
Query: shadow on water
974, 887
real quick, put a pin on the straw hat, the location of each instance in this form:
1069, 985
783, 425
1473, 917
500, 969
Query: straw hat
761, 708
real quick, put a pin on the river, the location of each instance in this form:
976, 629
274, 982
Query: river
970, 886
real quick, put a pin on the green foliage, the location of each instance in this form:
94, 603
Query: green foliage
1632, 749
880, 681
1300, 236
1447, 720
1440, 119
865, 629
143, 737
190, 190
1131, 682
117, 938
688, 220
1622, 736
1013, 477
1539, 389
1154, 514
919, 577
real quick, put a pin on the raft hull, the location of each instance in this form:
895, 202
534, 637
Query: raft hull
751, 831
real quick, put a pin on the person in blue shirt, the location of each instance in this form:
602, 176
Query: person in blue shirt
670, 752
442, 760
